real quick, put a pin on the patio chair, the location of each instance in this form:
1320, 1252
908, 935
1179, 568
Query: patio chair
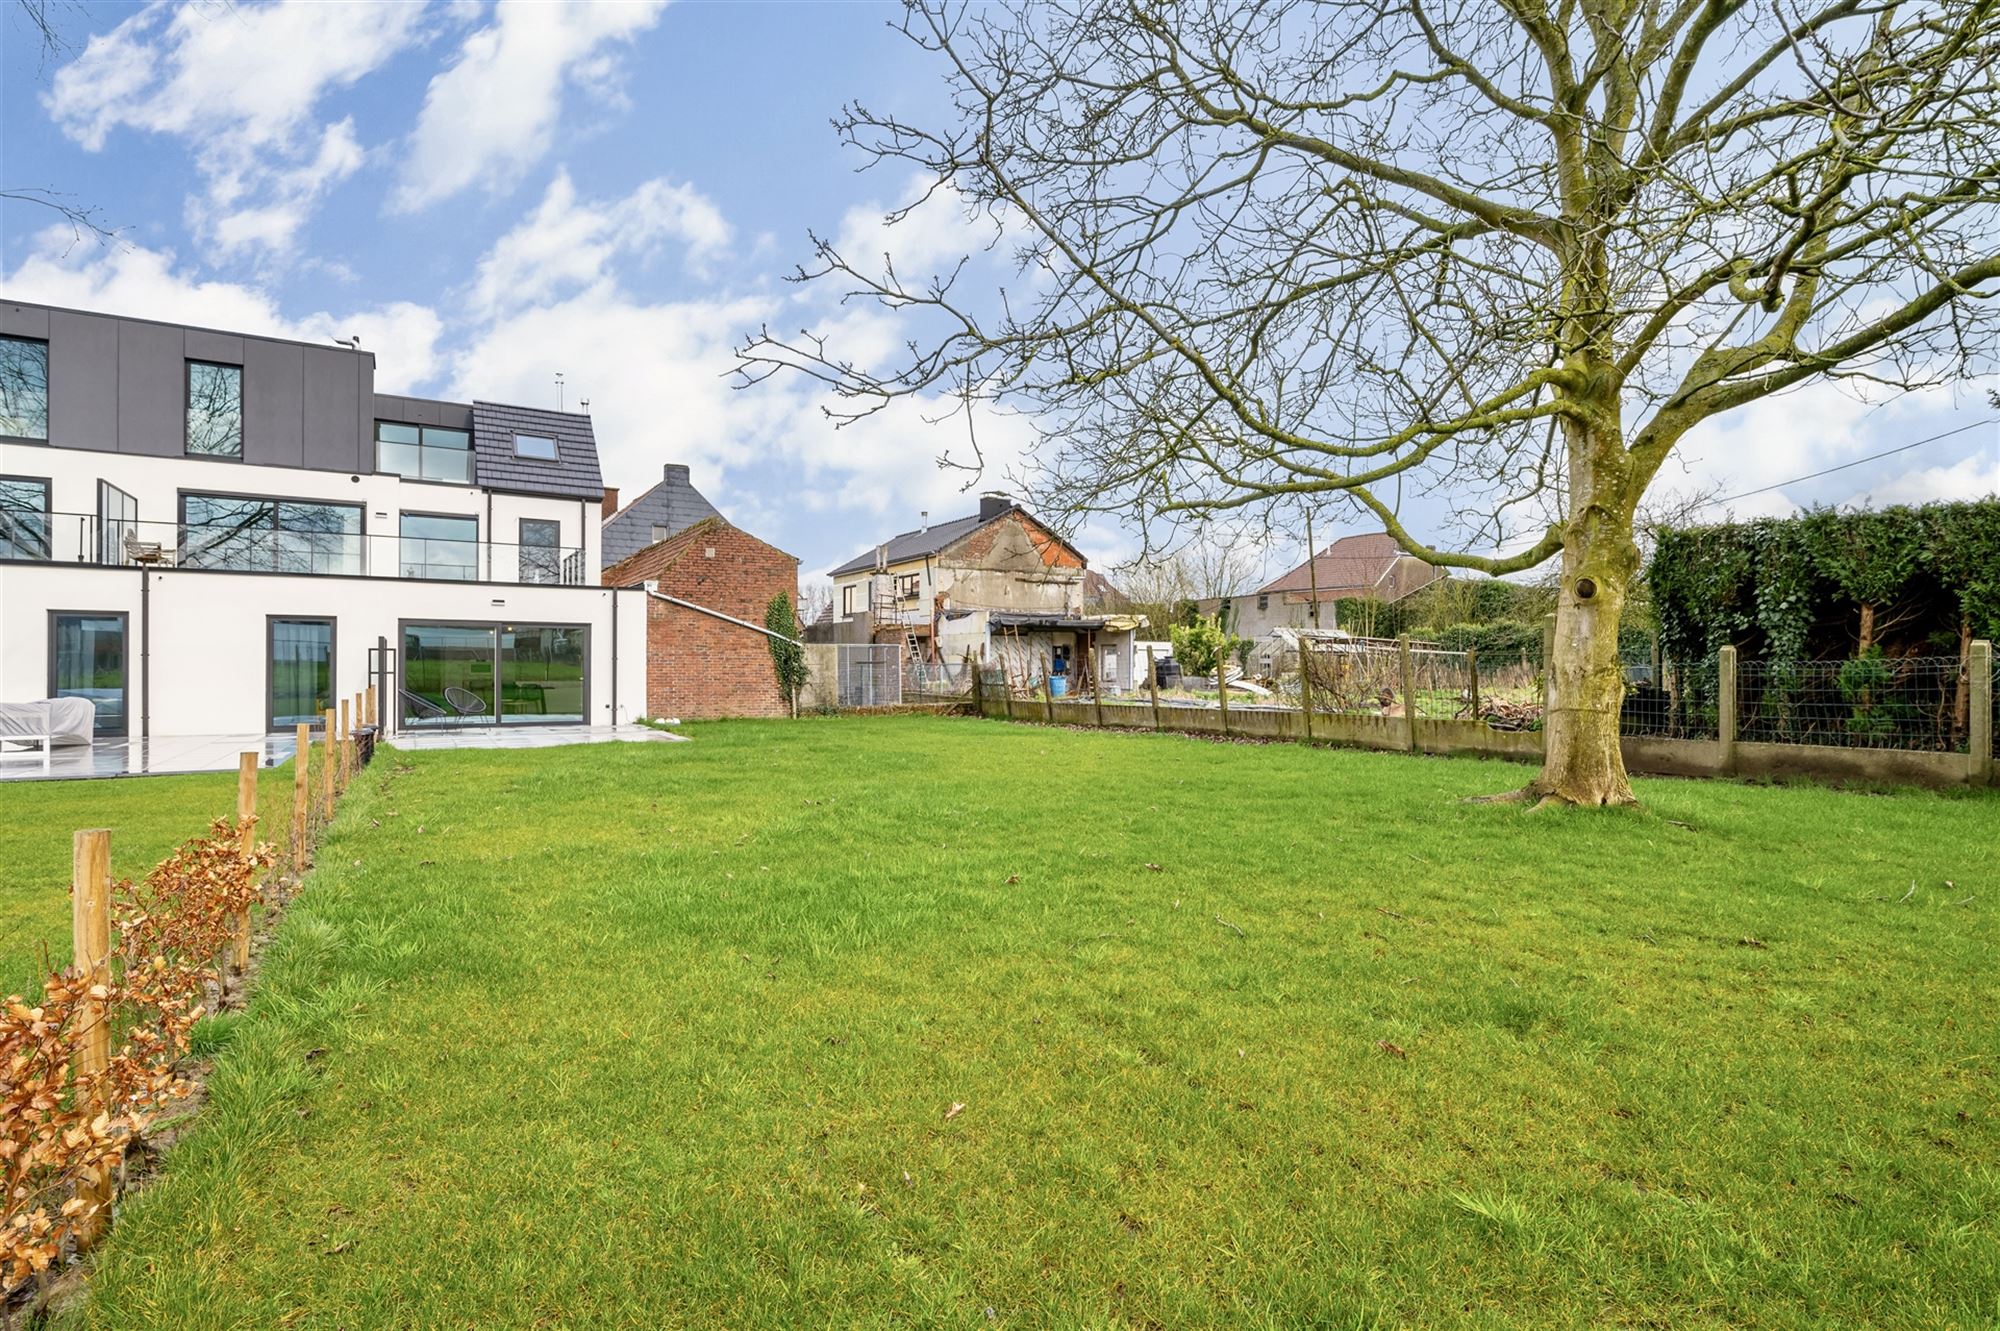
465, 704
144, 552
420, 707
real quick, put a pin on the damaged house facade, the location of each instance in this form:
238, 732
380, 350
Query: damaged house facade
998, 585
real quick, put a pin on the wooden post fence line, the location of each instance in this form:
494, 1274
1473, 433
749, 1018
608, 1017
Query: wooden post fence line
1472, 670
341, 762
1222, 688
246, 842
90, 946
301, 794
1305, 677
1048, 698
326, 768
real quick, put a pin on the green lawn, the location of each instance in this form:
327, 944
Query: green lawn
147, 816
672, 1036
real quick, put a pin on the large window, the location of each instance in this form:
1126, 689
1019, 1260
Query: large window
483, 674
541, 550
537, 446
214, 410
249, 534
24, 517
301, 665
24, 388
87, 660
438, 545
423, 452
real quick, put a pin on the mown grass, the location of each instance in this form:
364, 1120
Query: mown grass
147, 818
670, 1036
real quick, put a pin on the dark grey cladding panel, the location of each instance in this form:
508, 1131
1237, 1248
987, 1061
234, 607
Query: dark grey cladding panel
573, 474
83, 381
273, 403
332, 410
24, 320
152, 389
673, 506
222, 348
422, 411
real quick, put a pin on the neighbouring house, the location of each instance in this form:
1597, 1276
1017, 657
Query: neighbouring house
219, 533
1367, 566
709, 586
998, 584
668, 509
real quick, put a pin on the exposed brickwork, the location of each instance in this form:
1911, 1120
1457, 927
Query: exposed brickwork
698, 665
975, 548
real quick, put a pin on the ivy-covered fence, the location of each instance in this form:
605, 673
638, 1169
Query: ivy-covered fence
1854, 628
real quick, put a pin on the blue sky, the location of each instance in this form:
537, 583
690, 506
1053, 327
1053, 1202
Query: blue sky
491, 195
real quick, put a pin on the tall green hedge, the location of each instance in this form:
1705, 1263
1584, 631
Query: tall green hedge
1792, 589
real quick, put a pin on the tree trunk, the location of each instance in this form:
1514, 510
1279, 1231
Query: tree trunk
1582, 763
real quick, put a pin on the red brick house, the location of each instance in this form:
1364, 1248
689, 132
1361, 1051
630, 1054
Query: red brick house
699, 661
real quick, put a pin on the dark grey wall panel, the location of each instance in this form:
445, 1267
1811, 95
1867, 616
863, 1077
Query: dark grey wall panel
273, 403
333, 417
222, 348
24, 320
83, 381
152, 388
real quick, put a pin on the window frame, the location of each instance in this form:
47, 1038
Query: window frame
555, 448
908, 586
124, 618
48, 371
469, 452
271, 623
48, 521
477, 541
554, 549
181, 528
187, 410
847, 601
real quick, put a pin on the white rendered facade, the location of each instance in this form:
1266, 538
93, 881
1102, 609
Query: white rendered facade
202, 613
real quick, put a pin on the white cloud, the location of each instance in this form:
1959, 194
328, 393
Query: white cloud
492, 115
1974, 477
241, 85
147, 284
931, 234
567, 243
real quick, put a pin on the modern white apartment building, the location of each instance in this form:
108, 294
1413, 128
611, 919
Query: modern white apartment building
210, 533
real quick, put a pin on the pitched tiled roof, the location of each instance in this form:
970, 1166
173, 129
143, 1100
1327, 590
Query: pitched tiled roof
1351, 566
914, 544
574, 473
673, 505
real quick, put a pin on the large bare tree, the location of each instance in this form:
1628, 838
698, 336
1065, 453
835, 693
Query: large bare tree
1509, 250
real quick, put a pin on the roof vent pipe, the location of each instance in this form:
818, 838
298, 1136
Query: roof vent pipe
924, 520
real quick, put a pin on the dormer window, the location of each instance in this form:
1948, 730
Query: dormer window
539, 447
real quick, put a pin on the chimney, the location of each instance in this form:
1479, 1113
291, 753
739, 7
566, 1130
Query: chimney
924, 520
610, 500
676, 472
993, 503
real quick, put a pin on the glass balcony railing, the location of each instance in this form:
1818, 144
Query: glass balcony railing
83, 538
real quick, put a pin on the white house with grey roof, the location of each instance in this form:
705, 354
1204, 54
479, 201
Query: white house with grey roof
217, 533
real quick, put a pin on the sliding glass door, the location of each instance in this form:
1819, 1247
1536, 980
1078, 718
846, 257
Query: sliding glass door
87, 660
487, 674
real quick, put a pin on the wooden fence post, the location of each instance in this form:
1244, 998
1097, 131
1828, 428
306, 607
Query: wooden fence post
1222, 689
978, 685
246, 843
90, 945
1048, 697
1096, 683
1409, 690
1979, 729
1472, 670
1725, 719
372, 719
326, 766
1153, 685
301, 791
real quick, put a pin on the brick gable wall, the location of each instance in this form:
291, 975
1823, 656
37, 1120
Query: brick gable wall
697, 665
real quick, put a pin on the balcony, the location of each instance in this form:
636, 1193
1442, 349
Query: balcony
83, 538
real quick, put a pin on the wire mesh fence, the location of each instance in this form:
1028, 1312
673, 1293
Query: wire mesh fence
1868, 702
